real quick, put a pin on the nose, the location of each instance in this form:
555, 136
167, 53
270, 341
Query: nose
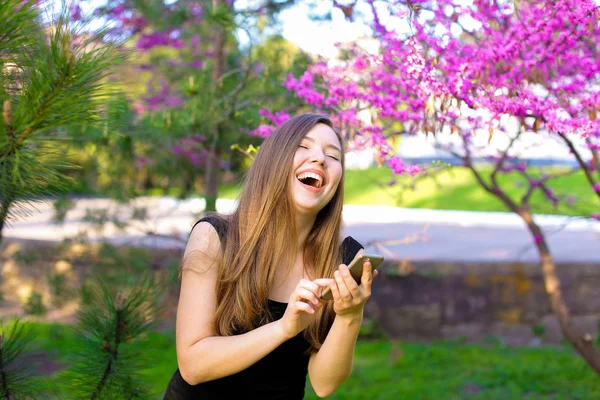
317, 156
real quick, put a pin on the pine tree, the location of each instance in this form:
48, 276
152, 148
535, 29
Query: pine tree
111, 326
52, 76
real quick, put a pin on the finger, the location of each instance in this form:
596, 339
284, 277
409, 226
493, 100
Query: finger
302, 306
335, 292
315, 287
349, 281
305, 294
305, 283
323, 282
343, 290
375, 273
367, 275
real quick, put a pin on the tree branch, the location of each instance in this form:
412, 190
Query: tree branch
580, 161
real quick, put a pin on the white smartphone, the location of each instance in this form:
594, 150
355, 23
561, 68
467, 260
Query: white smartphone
356, 270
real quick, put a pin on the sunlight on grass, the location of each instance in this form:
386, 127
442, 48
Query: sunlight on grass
455, 189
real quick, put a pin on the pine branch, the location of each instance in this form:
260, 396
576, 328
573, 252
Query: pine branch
15, 381
110, 325
3, 377
19, 20
115, 350
49, 82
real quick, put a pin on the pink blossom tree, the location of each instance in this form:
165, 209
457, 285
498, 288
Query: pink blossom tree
479, 78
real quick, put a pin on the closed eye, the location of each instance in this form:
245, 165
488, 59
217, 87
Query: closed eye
303, 146
334, 157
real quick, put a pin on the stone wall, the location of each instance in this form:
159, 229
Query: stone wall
415, 301
479, 301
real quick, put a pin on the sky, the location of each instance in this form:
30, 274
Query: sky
318, 37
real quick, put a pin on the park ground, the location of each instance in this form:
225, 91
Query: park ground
449, 370
453, 370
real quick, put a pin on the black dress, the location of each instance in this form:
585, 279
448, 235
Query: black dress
281, 374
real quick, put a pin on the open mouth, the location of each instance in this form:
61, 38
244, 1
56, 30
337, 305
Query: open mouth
311, 179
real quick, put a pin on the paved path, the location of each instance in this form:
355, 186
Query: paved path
428, 235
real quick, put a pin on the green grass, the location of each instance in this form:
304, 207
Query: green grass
447, 370
455, 189
453, 371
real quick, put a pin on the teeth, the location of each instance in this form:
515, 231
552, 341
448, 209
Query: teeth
305, 175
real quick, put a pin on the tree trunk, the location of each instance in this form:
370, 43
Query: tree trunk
4, 207
211, 188
211, 174
583, 343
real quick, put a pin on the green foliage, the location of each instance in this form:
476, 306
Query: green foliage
538, 330
52, 77
15, 380
173, 272
117, 265
370, 330
26, 258
59, 289
62, 205
35, 304
110, 327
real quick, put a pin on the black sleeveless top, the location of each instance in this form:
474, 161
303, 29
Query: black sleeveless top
281, 374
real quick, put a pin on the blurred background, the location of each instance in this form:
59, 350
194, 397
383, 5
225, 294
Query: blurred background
472, 166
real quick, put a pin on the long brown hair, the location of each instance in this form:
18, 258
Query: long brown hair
261, 236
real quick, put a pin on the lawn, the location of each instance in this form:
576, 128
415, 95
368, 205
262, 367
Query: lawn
448, 370
455, 189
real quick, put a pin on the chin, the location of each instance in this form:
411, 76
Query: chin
309, 207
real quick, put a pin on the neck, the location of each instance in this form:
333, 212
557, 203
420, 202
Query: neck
304, 224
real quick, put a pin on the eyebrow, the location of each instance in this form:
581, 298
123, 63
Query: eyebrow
329, 146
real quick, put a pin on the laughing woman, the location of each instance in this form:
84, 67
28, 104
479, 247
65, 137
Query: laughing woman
250, 322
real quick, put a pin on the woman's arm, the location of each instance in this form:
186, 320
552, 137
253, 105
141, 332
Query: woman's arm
329, 368
218, 356
332, 364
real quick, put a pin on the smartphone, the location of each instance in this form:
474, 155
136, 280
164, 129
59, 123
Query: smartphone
356, 270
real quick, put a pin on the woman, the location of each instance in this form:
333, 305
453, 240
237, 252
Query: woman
250, 321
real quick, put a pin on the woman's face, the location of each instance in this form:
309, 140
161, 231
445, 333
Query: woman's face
317, 169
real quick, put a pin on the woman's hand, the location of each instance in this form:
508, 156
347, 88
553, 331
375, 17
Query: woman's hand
349, 298
303, 305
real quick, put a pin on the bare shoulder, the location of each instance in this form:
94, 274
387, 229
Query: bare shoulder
202, 250
197, 297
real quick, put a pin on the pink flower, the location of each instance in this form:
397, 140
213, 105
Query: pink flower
141, 162
263, 131
197, 64
194, 159
178, 150
139, 108
399, 168
76, 12
291, 83
277, 118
